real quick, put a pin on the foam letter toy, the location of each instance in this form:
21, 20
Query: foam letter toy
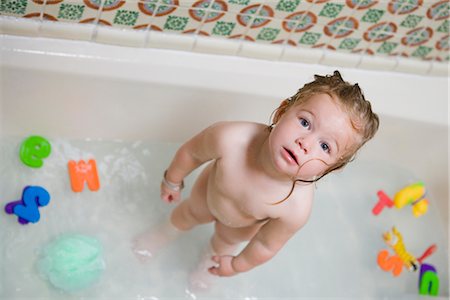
409, 194
428, 280
27, 208
82, 172
392, 263
420, 208
33, 150
383, 201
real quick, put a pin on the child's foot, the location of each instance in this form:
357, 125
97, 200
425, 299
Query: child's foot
200, 279
148, 244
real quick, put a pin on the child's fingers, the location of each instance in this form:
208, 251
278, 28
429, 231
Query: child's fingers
213, 271
169, 197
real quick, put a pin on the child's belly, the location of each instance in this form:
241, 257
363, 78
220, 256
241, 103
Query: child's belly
227, 213
227, 201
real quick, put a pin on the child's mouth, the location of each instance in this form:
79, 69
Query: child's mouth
292, 155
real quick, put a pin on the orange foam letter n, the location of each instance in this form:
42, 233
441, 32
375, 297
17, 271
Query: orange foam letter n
81, 172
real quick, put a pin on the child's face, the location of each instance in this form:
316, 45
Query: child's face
310, 137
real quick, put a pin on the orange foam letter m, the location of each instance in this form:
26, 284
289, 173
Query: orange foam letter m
81, 172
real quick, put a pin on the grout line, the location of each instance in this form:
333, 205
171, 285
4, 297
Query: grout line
363, 52
395, 34
430, 67
41, 16
398, 55
253, 17
97, 21
148, 29
292, 32
360, 60
197, 31
342, 26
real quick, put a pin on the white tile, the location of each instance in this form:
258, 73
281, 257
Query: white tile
300, 54
22, 26
440, 69
370, 62
341, 59
412, 66
122, 37
165, 40
216, 45
67, 30
256, 50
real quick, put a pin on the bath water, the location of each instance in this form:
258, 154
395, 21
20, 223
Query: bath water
334, 255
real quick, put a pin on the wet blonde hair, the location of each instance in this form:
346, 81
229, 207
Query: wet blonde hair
350, 99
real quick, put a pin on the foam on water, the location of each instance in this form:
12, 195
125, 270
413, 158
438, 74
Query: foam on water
333, 256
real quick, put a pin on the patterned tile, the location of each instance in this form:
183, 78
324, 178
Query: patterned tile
20, 8
283, 9
177, 19
270, 33
13, 7
418, 29
238, 5
224, 27
123, 14
331, 10
71, 11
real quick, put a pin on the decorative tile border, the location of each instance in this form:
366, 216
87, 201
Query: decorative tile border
416, 29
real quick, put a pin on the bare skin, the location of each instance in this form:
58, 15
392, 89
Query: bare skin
250, 169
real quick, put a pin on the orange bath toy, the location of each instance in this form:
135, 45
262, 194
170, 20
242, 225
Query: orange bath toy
81, 172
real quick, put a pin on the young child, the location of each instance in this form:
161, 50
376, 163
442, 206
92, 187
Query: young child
258, 185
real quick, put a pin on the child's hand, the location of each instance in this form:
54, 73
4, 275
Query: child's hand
170, 192
224, 268
169, 195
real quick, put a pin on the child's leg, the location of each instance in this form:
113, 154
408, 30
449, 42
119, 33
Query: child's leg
189, 213
225, 241
199, 278
194, 210
148, 244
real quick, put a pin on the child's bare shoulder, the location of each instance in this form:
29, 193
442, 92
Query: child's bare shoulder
298, 209
237, 126
242, 132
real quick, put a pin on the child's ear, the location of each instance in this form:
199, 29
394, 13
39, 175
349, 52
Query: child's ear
280, 111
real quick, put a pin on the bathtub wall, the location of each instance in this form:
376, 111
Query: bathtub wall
405, 36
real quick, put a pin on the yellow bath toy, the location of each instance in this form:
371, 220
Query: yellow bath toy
394, 239
414, 195
420, 208
409, 194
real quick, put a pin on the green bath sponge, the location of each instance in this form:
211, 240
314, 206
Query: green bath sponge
72, 262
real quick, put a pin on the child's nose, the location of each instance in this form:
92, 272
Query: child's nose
304, 145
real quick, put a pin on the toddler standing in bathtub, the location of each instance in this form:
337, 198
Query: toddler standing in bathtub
258, 185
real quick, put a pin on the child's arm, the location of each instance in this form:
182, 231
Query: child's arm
266, 243
205, 146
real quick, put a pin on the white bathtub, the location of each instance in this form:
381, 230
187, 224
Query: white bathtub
78, 90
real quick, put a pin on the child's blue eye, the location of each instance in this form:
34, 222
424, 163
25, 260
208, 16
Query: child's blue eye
325, 147
304, 122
